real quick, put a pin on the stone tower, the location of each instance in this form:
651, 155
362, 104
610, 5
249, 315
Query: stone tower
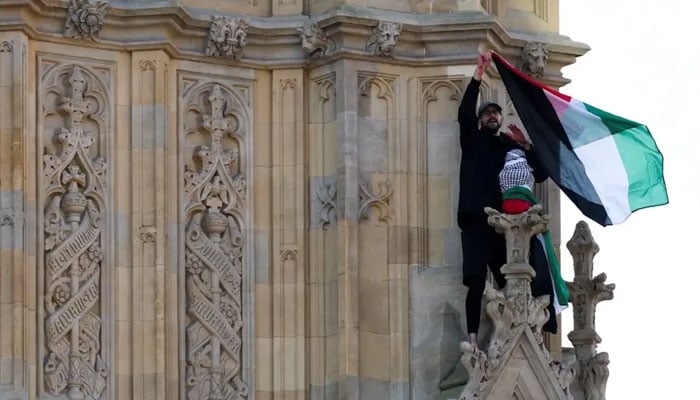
242, 199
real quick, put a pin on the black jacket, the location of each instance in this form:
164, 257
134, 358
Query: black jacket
483, 156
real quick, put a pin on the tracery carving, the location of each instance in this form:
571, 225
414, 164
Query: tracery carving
84, 19
7, 217
533, 59
214, 244
227, 36
74, 179
378, 201
384, 38
5, 47
314, 41
326, 194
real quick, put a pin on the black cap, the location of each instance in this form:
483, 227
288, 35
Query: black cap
485, 104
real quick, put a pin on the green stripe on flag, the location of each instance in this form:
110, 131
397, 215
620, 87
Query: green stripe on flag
641, 157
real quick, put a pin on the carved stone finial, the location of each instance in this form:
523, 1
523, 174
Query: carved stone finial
227, 36
586, 292
593, 376
314, 41
84, 19
533, 59
518, 229
384, 38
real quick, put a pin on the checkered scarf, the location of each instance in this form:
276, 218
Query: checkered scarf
516, 171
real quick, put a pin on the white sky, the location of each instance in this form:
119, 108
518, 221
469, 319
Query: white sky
643, 65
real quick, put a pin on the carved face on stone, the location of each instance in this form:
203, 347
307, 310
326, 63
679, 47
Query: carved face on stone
384, 38
534, 58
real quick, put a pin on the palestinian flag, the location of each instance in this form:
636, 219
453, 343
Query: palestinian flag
607, 165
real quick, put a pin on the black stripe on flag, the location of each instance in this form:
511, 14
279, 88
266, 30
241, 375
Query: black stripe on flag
551, 144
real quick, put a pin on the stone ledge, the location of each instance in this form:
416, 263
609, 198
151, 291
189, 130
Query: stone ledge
273, 42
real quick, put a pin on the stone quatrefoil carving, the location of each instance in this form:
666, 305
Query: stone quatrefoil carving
227, 36
74, 181
85, 19
314, 41
214, 245
384, 38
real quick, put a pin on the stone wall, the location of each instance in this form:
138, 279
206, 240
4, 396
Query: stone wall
237, 199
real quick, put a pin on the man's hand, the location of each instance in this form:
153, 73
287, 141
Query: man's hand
484, 62
518, 136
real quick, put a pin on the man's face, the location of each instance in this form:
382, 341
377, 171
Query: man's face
491, 118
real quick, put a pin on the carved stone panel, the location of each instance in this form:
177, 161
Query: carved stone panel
215, 123
74, 113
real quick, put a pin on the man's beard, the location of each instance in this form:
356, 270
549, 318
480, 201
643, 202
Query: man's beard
490, 130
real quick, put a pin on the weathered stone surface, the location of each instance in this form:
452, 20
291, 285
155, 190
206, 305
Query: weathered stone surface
244, 205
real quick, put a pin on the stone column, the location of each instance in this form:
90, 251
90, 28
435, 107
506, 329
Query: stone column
586, 292
288, 235
17, 196
322, 286
148, 185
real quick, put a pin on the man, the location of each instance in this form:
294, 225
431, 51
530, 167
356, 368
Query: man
484, 148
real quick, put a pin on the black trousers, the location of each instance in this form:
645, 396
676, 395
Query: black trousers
483, 247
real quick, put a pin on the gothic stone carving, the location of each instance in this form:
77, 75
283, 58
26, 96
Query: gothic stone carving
513, 311
84, 19
586, 292
379, 201
533, 59
314, 41
7, 217
214, 242
384, 38
75, 189
326, 195
227, 36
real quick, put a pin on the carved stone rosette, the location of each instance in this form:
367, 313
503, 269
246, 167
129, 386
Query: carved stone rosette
384, 38
84, 19
227, 36
314, 41
214, 244
74, 178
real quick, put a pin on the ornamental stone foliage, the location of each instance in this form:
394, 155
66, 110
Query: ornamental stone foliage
214, 245
314, 41
73, 244
227, 36
84, 19
384, 38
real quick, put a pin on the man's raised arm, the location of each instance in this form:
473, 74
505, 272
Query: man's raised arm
467, 109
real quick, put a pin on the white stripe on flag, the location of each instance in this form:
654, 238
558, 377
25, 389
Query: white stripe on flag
607, 173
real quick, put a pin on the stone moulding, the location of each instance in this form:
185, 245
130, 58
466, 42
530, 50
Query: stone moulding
426, 39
